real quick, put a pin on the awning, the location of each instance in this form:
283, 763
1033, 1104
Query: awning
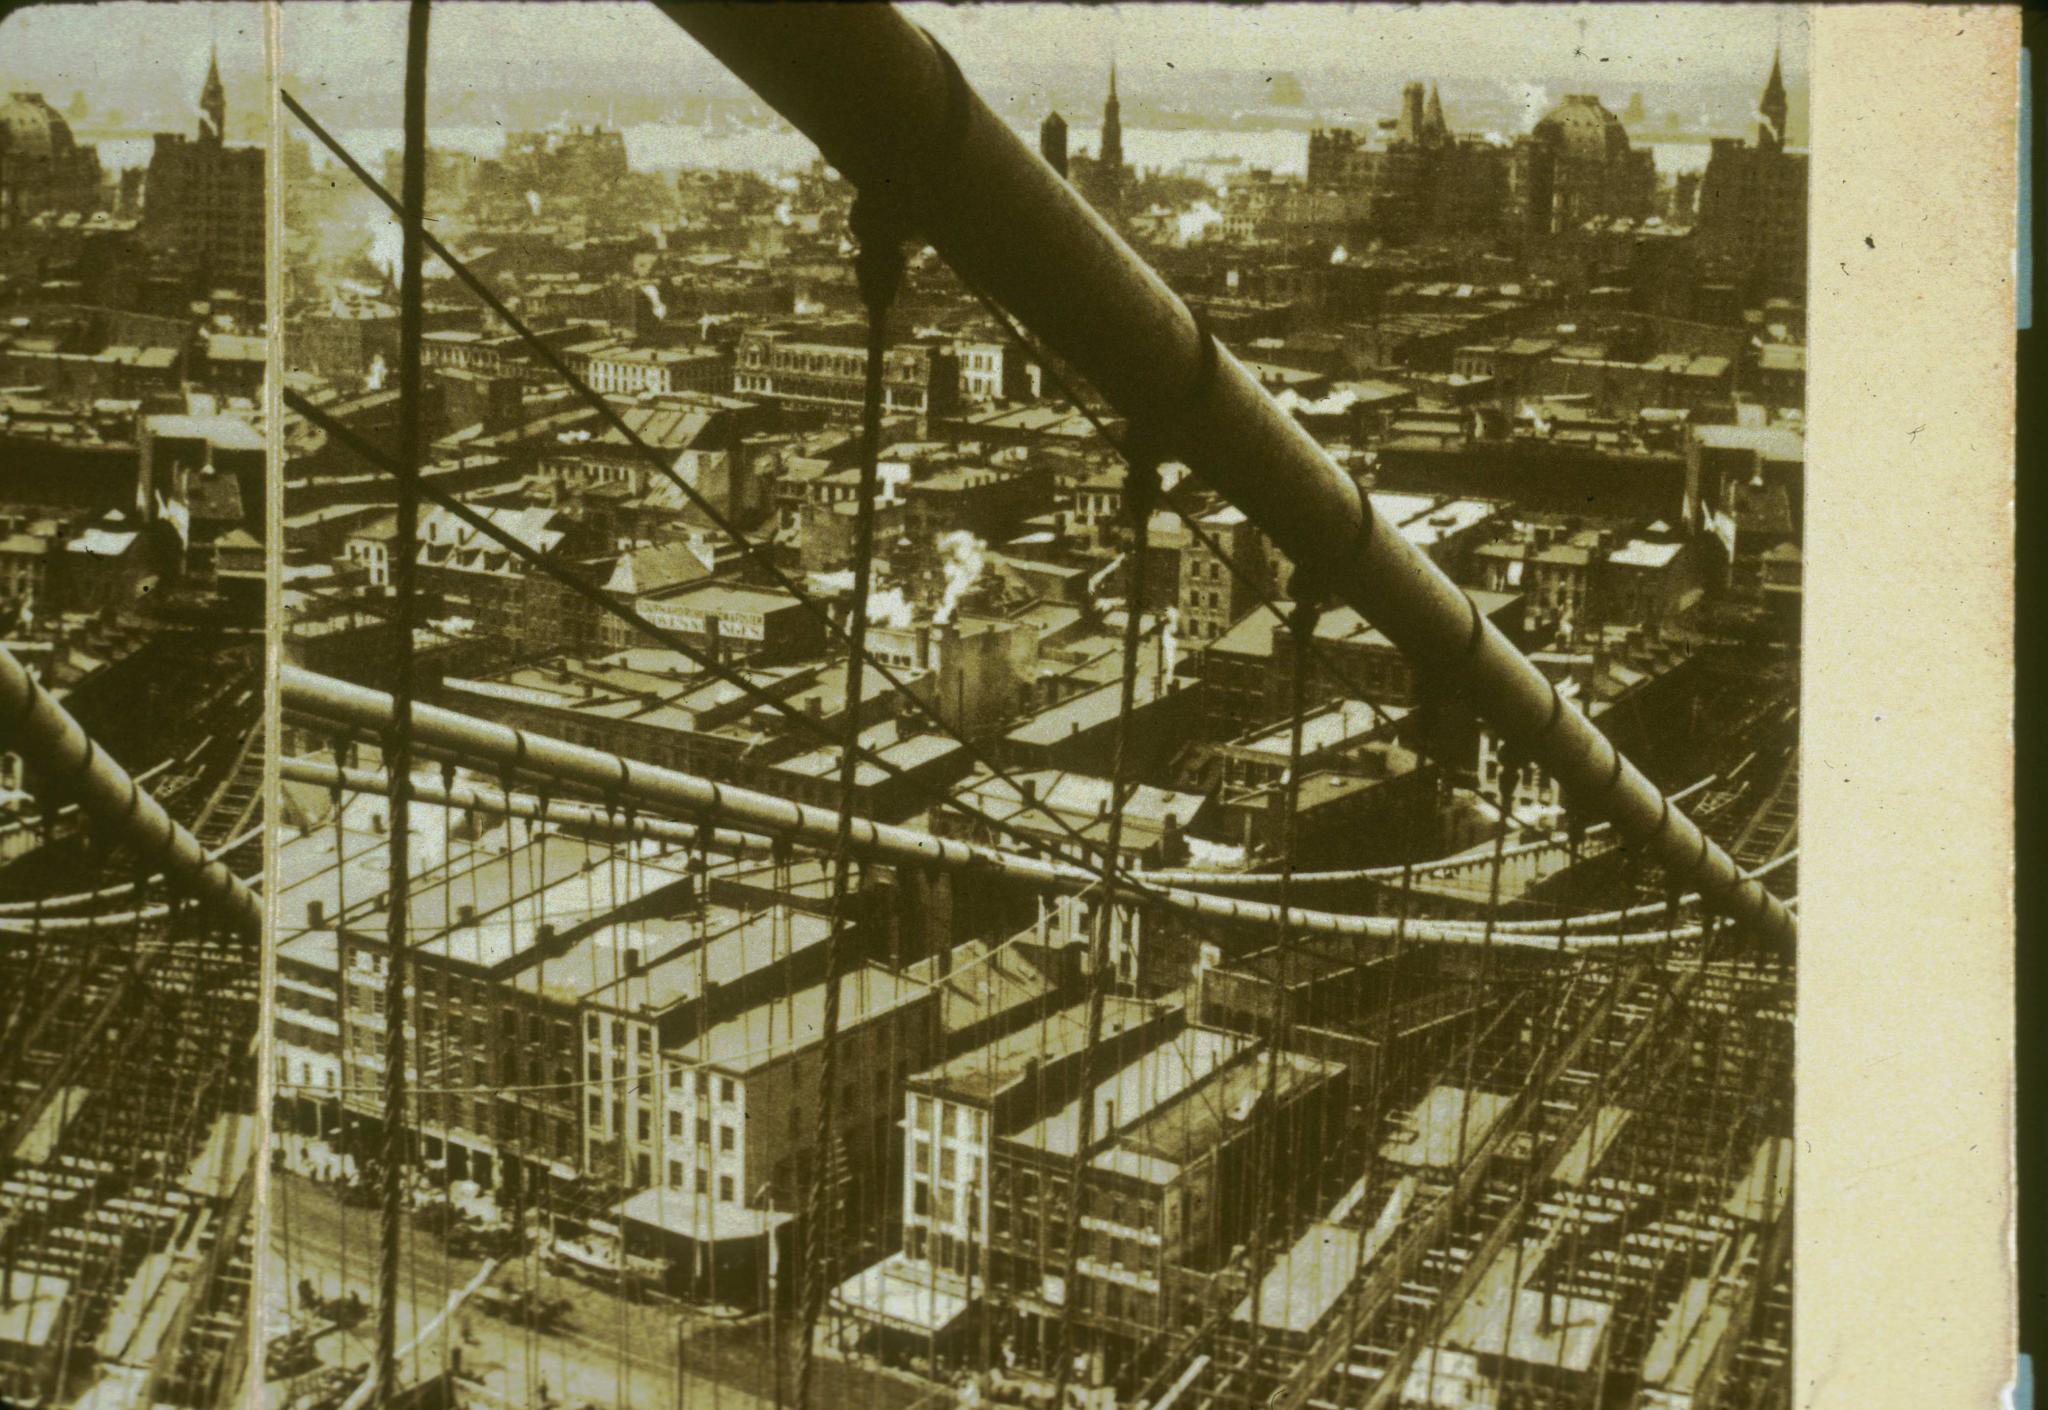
700, 1220
902, 1294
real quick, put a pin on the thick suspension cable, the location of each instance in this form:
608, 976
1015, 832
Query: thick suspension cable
43, 732
487, 745
904, 116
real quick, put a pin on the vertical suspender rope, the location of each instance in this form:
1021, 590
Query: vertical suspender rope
878, 267
398, 759
1141, 492
1308, 610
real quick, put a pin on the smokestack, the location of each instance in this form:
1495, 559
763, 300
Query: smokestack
316, 913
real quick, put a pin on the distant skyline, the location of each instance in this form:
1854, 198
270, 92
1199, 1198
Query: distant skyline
1025, 56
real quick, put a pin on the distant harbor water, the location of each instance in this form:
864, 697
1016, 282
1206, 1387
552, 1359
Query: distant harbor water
1215, 154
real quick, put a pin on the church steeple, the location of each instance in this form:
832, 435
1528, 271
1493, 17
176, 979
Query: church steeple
1112, 127
213, 103
1771, 108
1433, 128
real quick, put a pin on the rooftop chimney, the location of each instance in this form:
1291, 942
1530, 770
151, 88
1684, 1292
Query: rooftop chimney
316, 913
632, 962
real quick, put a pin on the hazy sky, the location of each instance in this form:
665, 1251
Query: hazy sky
141, 58
358, 45
144, 56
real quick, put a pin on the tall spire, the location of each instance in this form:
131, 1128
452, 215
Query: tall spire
1771, 108
1112, 155
1433, 126
213, 102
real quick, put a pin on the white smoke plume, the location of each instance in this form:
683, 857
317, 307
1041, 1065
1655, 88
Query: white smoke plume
374, 381
387, 246
1339, 255
660, 234
1765, 119
890, 608
963, 565
1169, 643
1195, 222
782, 213
893, 474
654, 298
533, 203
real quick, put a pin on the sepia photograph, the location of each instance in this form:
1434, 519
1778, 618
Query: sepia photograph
1030, 706
133, 352
1036, 705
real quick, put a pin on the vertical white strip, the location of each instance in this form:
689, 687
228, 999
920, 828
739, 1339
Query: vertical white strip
1904, 1268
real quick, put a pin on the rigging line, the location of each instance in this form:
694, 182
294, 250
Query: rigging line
1504, 789
878, 269
1308, 610
723, 672
1141, 488
398, 756
561, 369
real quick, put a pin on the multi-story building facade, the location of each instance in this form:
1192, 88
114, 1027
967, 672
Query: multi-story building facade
204, 199
624, 369
1752, 199
1211, 596
824, 366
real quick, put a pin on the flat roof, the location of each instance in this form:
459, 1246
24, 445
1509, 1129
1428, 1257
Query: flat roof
1199, 1119
1156, 1076
1429, 1134
770, 1032
699, 1219
980, 1075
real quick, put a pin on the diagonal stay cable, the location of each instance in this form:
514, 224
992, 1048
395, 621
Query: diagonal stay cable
585, 588
618, 424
